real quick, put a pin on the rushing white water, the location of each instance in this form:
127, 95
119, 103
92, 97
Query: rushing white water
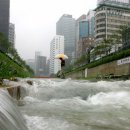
53, 104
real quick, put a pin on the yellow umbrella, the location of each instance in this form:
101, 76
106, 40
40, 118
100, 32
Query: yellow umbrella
63, 56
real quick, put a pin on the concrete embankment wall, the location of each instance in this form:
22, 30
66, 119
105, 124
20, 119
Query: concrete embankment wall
109, 68
105, 69
75, 75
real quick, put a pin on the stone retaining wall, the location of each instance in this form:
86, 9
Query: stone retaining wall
76, 75
105, 69
109, 68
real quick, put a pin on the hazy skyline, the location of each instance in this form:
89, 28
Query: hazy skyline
35, 22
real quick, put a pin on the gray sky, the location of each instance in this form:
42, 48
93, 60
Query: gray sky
35, 22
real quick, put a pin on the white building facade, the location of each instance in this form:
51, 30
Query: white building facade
109, 16
12, 34
56, 47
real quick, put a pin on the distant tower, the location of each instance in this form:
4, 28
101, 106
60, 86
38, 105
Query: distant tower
47, 67
37, 54
91, 22
12, 34
66, 26
80, 19
41, 66
4, 16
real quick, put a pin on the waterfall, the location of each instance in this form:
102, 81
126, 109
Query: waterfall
10, 115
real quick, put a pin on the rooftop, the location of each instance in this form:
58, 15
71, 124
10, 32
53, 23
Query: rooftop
115, 4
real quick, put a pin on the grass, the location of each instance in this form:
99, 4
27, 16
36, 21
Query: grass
10, 68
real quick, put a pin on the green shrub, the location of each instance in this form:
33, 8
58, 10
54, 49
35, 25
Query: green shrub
10, 68
104, 60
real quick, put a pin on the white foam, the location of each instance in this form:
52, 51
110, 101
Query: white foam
113, 98
46, 123
29, 100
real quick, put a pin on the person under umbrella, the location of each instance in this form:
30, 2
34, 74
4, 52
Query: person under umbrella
62, 58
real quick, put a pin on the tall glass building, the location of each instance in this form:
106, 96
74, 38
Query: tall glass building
83, 29
4, 16
91, 22
85, 26
66, 27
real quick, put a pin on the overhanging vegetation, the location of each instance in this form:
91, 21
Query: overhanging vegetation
10, 68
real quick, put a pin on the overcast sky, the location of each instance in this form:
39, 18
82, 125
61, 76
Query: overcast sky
35, 22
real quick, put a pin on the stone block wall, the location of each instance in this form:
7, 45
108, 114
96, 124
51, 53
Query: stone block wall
105, 69
109, 68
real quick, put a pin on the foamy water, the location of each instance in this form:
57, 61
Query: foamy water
54, 104
77, 105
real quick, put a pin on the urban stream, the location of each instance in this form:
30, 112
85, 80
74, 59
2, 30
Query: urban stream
54, 104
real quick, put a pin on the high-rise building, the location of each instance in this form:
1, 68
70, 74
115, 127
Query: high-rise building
4, 16
47, 67
41, 66
56, 47
91, 22
83, 29
109, 16
84, 33
37, 54
12, 34
80, 19
66, 27
85, 26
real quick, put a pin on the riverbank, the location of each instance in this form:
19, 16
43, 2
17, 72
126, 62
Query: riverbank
10, 67
119, 69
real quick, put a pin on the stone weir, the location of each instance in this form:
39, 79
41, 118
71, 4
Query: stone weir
10, 115
14, 88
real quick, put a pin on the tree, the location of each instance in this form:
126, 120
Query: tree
116, 40
120, 36
107, 45
123, 31
103, 48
